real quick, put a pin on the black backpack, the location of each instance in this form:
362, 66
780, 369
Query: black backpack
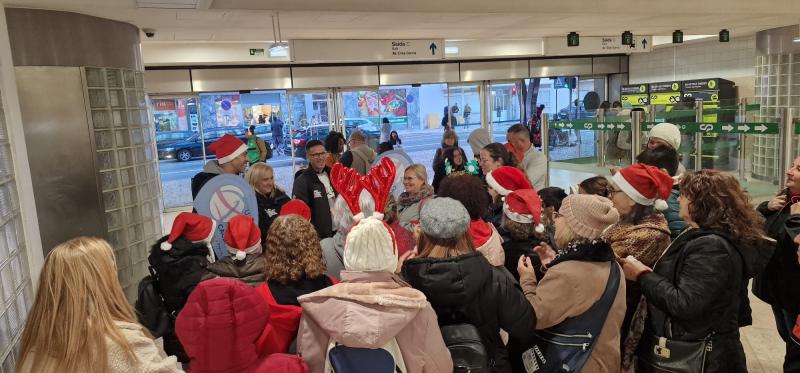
150, 308
466, 348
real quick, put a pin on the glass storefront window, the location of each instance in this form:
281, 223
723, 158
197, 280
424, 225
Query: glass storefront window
504, 107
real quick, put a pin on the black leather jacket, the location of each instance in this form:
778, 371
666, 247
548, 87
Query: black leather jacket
696, 284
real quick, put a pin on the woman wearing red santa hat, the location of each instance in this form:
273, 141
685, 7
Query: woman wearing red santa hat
502, 181
243, 240
639, 193
522, 228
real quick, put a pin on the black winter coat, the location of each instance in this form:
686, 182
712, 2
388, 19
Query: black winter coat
179, 271
467, 289
776, 284
268, 210
697, 285
516, 248
310, 190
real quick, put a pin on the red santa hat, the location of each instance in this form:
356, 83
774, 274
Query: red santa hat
193, 227
524, 206
227, 148
506, 179
296, 207
242, 237
645, 185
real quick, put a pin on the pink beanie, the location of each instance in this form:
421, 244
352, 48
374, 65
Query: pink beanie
588, 215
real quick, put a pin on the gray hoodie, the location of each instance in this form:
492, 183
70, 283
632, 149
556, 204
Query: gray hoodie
333, 252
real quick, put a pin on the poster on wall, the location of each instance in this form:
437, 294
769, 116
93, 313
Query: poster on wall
369, 104
395, 107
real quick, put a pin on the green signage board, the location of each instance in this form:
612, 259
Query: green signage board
591, 125
747, 128
635, 100
797, 128
633, 89
665, 87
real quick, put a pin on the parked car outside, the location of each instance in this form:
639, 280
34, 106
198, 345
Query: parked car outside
321, 131
192, 147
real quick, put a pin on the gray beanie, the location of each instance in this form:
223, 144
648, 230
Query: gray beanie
443, 218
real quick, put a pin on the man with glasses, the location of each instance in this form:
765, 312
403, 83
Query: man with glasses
313, 186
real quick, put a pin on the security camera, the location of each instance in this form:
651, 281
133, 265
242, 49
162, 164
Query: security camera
149, 32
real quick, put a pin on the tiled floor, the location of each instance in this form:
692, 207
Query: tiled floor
762, 345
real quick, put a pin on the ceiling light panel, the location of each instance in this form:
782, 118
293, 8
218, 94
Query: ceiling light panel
167, 4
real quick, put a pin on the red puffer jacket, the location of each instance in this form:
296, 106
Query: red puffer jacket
219, 326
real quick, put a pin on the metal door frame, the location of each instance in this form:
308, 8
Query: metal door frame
290, 115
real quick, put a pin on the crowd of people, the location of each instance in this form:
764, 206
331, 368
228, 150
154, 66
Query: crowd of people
479, 268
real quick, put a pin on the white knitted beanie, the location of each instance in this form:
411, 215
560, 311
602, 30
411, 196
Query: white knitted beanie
370, 246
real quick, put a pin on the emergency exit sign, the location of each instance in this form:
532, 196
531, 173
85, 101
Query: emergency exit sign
256, 51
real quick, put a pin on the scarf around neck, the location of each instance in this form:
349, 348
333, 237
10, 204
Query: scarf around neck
407, 199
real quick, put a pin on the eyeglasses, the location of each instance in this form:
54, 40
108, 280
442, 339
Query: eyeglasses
318, 155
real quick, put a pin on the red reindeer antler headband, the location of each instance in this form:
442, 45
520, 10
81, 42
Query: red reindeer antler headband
378, 182
348, 183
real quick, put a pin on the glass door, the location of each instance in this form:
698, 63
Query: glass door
360, 109
310, 118
467, 108
505, 107
179, 145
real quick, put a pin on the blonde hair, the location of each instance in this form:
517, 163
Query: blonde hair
564, 235
77, 302
259, 171
418, 170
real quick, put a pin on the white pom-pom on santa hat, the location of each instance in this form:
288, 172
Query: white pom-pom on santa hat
661, 205
166, 246
539, 228
240, 255
242, 237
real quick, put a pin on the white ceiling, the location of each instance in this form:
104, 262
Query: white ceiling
250, 20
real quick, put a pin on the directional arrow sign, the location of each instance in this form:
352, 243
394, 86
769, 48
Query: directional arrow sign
746, 128
433, 49
601, 126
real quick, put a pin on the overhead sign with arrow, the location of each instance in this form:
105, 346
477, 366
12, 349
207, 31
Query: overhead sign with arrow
764, 128
557, 46
317, 50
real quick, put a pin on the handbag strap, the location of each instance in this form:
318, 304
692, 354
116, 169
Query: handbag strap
594, 318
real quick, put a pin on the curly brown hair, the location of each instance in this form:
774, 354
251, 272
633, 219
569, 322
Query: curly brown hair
293, 250
717, 201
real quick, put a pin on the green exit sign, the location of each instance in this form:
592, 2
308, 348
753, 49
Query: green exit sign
257, 52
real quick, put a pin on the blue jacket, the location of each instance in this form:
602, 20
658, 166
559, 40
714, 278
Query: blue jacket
673, 214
